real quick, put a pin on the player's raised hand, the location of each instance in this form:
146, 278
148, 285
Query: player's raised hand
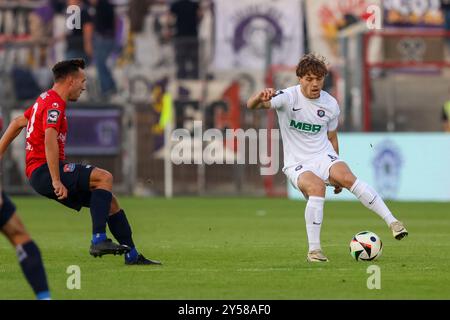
60, 190
261, 99
266, 94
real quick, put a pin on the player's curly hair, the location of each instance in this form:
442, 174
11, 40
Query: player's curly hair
64, 68
312, 63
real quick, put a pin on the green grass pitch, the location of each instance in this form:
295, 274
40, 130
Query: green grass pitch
235, 248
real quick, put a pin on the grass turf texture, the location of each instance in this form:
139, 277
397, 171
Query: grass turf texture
235, 248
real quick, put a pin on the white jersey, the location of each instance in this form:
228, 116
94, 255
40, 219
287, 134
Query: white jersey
304, 124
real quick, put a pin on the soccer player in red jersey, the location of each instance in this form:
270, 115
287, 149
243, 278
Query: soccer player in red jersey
72, 184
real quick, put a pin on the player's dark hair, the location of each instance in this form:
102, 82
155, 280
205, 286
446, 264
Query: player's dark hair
313, 64
64, 68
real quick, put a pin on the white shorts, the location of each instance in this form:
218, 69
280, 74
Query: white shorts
319, 165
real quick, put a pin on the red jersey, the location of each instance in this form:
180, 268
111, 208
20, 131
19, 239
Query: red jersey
49, 111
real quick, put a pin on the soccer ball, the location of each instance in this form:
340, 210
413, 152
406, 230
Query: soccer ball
366, 246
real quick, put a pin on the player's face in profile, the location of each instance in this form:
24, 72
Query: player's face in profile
78, 85
311, 85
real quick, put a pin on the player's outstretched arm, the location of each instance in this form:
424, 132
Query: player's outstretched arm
13, 130
261, 100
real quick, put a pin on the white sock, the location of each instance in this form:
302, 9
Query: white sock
313, 218
372, 200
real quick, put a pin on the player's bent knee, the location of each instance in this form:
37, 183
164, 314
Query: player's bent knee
317, 190
314, 188
107, 177
348, 180
101, 179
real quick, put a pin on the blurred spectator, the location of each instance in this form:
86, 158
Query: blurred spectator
186, 15
40, 21
104, 19
137, 12
59, 6
41, 29
446, 115
445, 6
79, 41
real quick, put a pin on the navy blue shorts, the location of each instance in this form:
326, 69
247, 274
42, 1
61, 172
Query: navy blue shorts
7, 210
75, 177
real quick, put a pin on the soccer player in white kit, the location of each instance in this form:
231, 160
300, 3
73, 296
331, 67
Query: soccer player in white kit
308, 120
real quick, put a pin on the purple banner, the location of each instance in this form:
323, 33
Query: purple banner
93, 132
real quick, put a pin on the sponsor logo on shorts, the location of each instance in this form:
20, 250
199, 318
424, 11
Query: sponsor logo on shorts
298, 168
52, 116
69, 167
333, 158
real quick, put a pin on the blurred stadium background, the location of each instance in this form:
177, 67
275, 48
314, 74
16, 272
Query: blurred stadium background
203, 59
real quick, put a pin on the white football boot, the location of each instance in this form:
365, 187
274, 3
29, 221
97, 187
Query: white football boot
398, 230
316, 256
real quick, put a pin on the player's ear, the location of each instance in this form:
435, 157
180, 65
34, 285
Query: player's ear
70, 79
